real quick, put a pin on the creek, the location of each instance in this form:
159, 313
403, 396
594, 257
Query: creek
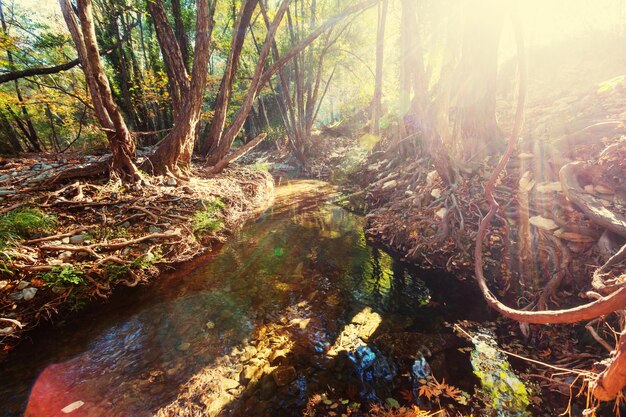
295, 303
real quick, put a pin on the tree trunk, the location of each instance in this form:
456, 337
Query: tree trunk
476, 130
212, 137
181, 34
378, 86
31, 134
83, 34
173, 155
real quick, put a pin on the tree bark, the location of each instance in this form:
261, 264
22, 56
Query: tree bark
83, 34
212, 137
173, 155
378, 84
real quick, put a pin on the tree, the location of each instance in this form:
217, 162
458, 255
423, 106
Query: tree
173, 155
378, 86
82, 30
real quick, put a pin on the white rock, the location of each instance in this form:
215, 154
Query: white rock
390, 184
29, 293
73, 406
543, 223
431, 177
549, 187
436, 192
441, 213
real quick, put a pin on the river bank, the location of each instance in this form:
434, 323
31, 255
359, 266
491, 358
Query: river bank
65, 246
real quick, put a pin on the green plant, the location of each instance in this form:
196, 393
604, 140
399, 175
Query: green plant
24, 223
206, 221
262, 166
63, 276
115, 270
21, 224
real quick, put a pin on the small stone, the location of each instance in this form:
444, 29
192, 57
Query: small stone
3, 284
73, 406
65, 240
64, 256
126, 224
390, 184
283, 375
59, 289
601, 189
441, 213
22, 285
436, 192
210, 325
16, 296
543, 223
229, 384
154, 229
249, 372
77, 239
184, 346
279, 357
29, 293
171, 182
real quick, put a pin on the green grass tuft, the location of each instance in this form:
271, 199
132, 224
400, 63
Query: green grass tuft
206, 221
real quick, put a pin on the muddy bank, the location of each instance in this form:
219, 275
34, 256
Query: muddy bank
68, 245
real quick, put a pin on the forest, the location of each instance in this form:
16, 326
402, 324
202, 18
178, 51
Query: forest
387, 208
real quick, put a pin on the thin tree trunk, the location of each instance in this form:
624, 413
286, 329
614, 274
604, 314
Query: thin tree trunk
213, 135
378, 86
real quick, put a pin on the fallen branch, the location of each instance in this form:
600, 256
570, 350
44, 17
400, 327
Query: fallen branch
217, 168
110, 246
59, 236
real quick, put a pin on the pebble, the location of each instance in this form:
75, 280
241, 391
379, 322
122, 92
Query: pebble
171, 182
283, 375
22, 285
65, 240
184, 346
16, 296
77, 239
3, 284
29, 293
154, 229
125, 224
72, 407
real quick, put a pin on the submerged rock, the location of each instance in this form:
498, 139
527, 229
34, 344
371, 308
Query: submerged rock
283, 375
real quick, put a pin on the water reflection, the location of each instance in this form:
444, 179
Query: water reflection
303, 270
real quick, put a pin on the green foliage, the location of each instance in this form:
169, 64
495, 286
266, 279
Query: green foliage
22, 224
115, 271
261, 166
65, 275
206, 221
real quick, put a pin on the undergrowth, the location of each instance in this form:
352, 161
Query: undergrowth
207, 221
20, 224
115, 271
63, 275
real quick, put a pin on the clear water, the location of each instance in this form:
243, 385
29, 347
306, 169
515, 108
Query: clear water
302, 278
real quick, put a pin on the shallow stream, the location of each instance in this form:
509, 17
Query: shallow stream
297, 303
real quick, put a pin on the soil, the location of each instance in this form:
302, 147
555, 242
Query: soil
107, 235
